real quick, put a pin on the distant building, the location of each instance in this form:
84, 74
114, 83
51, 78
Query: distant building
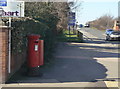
116, 25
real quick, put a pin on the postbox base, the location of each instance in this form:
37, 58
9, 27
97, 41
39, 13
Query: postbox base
34, 72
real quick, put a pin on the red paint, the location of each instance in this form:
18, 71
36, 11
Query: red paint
33, 55
41, 52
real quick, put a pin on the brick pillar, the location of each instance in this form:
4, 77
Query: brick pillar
3, 54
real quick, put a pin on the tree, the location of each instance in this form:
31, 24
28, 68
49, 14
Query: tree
44, 11
40, 18
75, 4
103, 22
62, 11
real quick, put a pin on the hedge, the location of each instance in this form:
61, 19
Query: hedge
23, 27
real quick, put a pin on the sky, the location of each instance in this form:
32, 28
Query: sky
93, 9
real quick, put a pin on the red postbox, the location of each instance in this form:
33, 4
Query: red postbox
41, 52
35, 54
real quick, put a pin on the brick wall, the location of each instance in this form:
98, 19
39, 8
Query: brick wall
3, 54
17, 59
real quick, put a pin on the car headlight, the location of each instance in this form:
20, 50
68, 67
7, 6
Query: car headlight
114, 35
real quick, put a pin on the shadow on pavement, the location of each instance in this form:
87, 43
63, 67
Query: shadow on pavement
71, 64
100, 41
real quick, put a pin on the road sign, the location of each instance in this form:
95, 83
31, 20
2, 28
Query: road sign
71, 17
13, 9
72, 13
3, 2
72, 20
71, 24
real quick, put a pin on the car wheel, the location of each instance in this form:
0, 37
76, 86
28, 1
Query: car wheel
107, 38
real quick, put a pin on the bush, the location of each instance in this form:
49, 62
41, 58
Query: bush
103, 22
23, 27
41, 18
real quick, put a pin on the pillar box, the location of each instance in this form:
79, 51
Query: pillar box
35, 54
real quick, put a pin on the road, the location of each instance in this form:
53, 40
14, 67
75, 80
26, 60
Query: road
96, 33
84, 64
110, 49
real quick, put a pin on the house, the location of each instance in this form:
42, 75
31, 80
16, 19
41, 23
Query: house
116, 25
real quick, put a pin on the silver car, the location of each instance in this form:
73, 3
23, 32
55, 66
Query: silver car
115, 35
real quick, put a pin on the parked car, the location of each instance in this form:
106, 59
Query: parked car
109, 31
87, 25
81, 25
114, 35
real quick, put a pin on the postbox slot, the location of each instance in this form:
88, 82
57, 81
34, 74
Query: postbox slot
36, 41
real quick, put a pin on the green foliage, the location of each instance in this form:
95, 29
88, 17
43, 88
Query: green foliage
40, 18
66, 37
21, 28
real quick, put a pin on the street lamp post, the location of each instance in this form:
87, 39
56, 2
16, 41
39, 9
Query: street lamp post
1, 14
1, 11
20, 8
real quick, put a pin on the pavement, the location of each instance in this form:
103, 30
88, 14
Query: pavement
72, 84
93, 63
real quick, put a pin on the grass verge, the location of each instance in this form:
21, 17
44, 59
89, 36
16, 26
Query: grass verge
67, 36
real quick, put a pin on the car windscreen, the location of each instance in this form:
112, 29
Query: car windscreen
110, 30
